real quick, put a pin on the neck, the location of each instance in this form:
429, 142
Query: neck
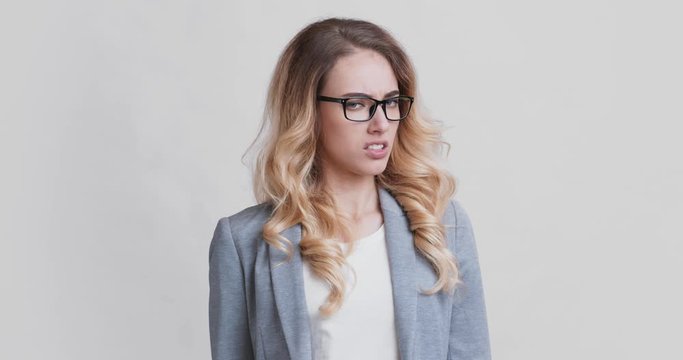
356, 197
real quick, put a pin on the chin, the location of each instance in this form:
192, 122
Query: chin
376, 170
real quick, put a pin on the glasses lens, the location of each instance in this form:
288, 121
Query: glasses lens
398, 108
359, 109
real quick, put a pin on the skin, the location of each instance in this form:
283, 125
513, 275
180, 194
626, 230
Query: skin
348, 171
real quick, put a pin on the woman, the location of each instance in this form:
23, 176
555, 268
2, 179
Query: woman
355, 218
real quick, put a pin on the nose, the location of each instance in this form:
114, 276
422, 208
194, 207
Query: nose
378, 122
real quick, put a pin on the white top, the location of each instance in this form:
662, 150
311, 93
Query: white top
363, 328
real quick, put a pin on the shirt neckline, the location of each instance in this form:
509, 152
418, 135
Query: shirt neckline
380, 229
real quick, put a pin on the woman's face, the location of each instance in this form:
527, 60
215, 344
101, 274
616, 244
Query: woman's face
343, 143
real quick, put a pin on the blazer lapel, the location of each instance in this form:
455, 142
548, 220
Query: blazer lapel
288, 283
290, 297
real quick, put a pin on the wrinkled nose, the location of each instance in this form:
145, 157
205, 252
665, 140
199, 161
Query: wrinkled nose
378, 122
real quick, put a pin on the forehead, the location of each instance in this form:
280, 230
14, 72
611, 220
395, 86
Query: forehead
364, 71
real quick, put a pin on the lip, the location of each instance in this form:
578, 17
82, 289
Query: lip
382, 142
377, 154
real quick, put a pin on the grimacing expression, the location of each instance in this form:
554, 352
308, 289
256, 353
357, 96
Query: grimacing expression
343, 143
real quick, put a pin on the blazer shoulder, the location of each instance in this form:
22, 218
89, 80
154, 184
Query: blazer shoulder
246, 225
462, 218
455, 214
465, 243
254, 215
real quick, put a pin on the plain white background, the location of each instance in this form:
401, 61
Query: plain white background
123, 124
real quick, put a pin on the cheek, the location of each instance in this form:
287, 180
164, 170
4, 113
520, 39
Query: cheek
329, 121
342, 140
339, 138
335, 133
394, 133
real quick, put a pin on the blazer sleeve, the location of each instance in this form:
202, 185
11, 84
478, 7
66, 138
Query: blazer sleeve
228, 321
469, 335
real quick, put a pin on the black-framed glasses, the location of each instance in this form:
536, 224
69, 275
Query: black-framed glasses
362, 108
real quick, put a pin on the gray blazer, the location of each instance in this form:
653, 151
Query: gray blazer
258, 311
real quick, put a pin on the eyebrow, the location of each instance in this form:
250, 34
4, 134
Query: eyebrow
359, 94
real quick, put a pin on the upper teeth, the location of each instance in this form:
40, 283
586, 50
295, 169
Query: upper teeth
376, 146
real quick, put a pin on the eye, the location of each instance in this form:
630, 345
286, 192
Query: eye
391, 102
354, 105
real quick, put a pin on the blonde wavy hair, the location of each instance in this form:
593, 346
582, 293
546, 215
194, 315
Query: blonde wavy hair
287, 173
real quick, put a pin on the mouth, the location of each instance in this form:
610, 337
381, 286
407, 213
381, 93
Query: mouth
376, 150
379, 145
